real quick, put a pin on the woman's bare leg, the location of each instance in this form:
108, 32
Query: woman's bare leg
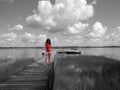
49, 57
46, 58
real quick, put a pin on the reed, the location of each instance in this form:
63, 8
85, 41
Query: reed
87, 73
9, 66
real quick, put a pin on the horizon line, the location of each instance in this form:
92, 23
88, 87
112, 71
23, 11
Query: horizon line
61, 46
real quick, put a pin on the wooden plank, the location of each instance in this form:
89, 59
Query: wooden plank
21, 87
36, 76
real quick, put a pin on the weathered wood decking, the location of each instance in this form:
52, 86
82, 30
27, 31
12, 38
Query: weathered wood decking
36, 76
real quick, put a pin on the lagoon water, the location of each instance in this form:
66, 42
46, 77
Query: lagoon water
14, 58
20, 53
113, 53
36, 52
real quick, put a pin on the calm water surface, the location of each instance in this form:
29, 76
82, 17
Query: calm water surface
107, 52
21, 53
36, 53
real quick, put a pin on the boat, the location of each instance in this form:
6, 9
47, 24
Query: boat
69, 52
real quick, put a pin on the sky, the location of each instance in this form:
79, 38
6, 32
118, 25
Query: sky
28, 23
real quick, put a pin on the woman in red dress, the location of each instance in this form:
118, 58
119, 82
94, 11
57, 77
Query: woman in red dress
48, 50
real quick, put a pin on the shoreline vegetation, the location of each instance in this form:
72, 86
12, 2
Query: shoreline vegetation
87, 73
9, 66
73, 72
55, 47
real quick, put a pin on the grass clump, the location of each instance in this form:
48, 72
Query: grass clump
9, 66
87, 73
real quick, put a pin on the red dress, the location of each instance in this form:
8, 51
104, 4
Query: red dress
47, 47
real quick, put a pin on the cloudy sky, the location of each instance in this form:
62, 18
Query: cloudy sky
66, 22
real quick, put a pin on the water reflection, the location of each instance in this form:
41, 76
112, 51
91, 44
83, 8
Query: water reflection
12, 60
107, 52
36, 53
20, 53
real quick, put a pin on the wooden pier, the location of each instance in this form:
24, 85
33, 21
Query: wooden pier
36, 76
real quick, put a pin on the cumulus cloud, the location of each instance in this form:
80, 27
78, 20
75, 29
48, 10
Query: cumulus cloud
16, 27
94, 2
33, 20
42, 38
96, 36
114, 37
55, 39
118, 27
31, 38
77, 28
61, 16
8, 37
98, 30
78, 37
27, 39
76, 40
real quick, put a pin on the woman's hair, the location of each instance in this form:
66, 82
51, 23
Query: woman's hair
48, 41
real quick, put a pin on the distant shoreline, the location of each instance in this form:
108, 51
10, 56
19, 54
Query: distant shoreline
57, 47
